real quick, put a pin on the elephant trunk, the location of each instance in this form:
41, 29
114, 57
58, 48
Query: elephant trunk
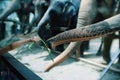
15, 5
41, 27
17, 44
87, 11
40, 9
42, 23
62, 57
100, 29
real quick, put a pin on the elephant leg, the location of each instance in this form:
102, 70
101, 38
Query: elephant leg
23, 19
25, 29
99, 50
82, 49
83, 46
106, 48
2, 31
119, 59
14, 29
86, 45
119, 48
15, 5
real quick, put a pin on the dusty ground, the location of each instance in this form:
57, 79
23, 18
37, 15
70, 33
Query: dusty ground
71, 69
38, 59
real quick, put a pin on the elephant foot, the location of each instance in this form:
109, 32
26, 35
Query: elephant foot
116, 66
106, 60
98, 53
81, 52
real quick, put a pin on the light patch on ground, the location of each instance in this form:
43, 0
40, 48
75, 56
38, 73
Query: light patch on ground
70, 69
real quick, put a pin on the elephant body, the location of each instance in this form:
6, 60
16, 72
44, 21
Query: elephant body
19, 6
22, 8
102, 9
61, 15
40, 8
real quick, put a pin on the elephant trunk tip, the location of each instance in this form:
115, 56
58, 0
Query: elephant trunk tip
46, 69
50, 43
50, 66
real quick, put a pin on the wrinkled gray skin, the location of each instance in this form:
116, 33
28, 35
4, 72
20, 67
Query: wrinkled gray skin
58, 15
88, 32
100, 29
